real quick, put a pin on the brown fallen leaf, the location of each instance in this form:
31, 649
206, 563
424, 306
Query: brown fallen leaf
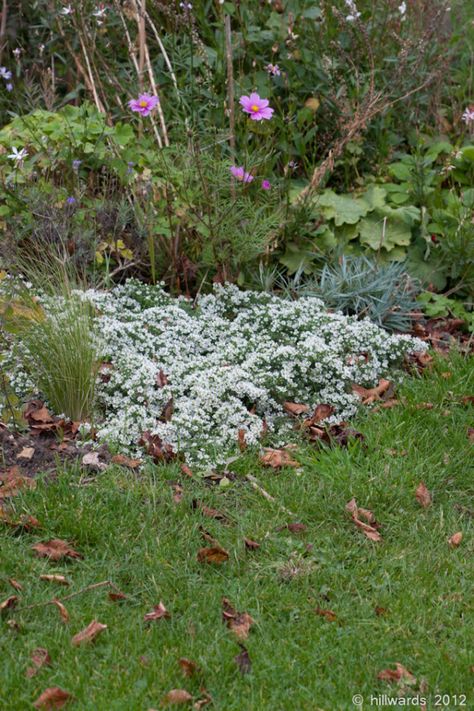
9, 603
277, 458
470, 434
125, 461
25, 522
293, 527
398, 674
320, 413
156, 448
387, 405
329, 615
238, 622
368, 529
52, 698
294, 408
380, 611
15, 584
12, 483
186, 470
40, 658
188, 667
370, 395
176, 697
117, 596
26, 453
215, 554
159, 612
243, 660
242, 442
467, 399
207, 511
456, 539
89, 633
56, 549
424, 406
53, 578
423, 496
205, 699
178, 492
251, 545
62, 610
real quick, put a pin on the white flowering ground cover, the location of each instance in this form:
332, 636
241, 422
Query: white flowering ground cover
196, 373
229, 364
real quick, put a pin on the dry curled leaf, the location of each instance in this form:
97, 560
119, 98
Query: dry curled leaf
12, 483
398, 674
214, 554
53, 578
117, 596
52, 698
294, 408
370, 395
188, 667
423, 496
15, 584
25, 522
125, 461
205, 699
89, 633
320, 413
175, 697
368, 529
455, 540
159, 612
56, 549
186, 470
207, 511
242, 442
243, 660
329, 615
251, 545
62, 610
40, 658
238, 622
277, 458
26, 453
9, 603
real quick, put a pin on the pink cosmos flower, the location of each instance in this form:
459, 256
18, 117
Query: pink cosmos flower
240, 174
144, 105
255, 106
266, 185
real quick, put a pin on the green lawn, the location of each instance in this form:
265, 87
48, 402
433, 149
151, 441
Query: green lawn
130, 531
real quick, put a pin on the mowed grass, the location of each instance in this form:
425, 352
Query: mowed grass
130, 531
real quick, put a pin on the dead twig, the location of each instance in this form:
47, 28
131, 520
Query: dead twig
254, 483
93, 586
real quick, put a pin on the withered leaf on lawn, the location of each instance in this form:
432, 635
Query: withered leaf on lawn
294, 408
40, 658
56, 549
175, 697
25, 522
370, 395
243, 660
296, 527
277, 458
117, 596
15, 584
26, 453
251, 545
214, 554
423, 496
455, 540
207, 511
329, 615
8, 603
53, 578
52, 698
188, 667
368, 529
241, 440
398, 674
470, 434
238, 622
186, 470
62, 610
159, 612
205, 699
125, 461
12, 483
89, 633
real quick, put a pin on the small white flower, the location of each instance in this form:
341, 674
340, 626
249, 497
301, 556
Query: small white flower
100, 11
17, 155
402, 8
468, 115
68, 10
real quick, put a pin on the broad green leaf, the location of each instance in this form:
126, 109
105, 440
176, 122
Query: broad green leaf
342, 208
378, 231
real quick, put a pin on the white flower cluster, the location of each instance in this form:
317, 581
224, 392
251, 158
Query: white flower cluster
227, 364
